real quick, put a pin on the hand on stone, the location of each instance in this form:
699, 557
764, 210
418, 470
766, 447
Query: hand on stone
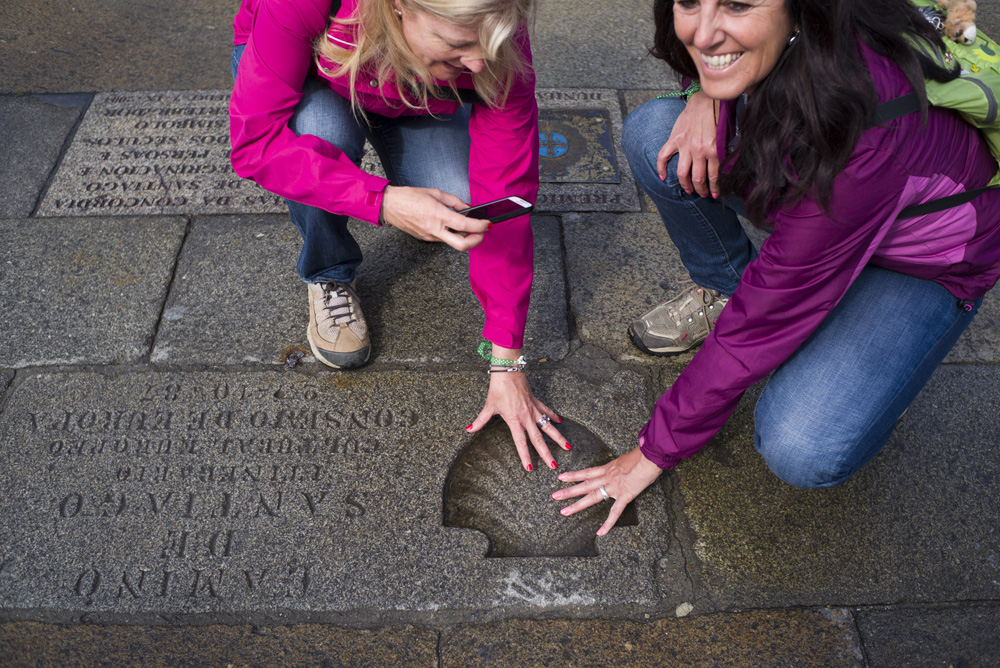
430, 214
623, 479
693, 140
510, 397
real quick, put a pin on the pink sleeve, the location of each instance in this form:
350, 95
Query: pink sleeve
271, 76
504, 162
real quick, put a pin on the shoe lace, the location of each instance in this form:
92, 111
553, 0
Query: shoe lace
337, 302
697, 301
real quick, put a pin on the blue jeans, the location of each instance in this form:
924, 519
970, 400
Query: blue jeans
421, 151
833, 404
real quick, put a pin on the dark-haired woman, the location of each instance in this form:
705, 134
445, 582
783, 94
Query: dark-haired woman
851, 306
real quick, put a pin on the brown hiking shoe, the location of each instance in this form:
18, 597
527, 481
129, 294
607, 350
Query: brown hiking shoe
338, 334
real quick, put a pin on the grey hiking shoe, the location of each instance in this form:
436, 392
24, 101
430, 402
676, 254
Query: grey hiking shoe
338, 334
679, 324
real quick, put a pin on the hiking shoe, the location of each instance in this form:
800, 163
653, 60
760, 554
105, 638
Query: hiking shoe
338, 334
679, 324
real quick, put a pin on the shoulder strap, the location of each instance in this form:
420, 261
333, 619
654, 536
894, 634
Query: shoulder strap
898, 107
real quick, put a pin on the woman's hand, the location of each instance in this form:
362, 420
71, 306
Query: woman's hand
510, 397
623, 479
429, 214
693, 139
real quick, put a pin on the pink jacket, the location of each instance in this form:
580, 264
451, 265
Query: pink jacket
504, 147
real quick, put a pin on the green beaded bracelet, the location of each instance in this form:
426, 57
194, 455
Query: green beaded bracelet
692, 88
499, 361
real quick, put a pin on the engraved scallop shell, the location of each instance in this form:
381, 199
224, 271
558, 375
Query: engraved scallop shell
488, 490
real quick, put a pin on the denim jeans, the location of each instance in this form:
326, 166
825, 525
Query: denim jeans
833, 404
422, 151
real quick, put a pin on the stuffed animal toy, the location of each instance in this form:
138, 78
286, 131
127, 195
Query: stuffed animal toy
960, 20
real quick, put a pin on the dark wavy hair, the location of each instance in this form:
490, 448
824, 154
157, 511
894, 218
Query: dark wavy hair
802, 122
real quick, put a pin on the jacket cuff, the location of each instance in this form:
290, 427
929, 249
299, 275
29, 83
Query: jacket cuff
650, 452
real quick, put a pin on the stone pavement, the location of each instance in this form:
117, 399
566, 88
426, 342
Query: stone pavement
183, 485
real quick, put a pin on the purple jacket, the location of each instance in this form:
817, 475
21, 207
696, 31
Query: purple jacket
810, 259
503, 160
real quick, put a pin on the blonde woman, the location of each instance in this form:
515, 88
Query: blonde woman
444, 91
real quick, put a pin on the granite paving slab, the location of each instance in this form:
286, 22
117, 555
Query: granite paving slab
619, 267
33, 130
138, 496
154, 153
83, 292
237, 297
967, 636
579, 44
32, 645
67, 46
917, 524
794, 638
980, 343
168, 153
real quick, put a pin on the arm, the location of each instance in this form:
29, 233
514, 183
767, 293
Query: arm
803, 271
504, 161
275, 63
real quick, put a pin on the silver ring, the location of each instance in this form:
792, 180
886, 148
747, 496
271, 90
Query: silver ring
603, 492
544, 420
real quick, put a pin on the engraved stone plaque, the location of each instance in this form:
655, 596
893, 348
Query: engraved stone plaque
478, 496
576, 146
168, 493
154, 153
142, 153
580, 161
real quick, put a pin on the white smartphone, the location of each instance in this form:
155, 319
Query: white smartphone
501, 209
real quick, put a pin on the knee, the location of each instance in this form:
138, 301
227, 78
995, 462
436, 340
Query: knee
802, 457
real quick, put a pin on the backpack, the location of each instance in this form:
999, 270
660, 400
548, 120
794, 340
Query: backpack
973, 95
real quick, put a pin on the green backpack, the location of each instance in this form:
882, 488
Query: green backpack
973, 95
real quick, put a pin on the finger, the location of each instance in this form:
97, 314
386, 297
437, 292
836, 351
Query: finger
583, 489
582, 474
523, 453
480, 421
684, 167
699, 178
460, 241
552, 432
583, 503
713, 176
541, 447
663, 157
616, 511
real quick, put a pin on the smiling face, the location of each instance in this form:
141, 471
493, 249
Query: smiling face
734, 45
447, 49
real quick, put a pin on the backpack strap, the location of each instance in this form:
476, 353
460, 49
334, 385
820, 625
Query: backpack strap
898, 107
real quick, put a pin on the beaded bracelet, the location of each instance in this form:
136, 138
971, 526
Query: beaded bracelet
692, 88
500, 364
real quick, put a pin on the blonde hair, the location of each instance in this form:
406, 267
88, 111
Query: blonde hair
382, 49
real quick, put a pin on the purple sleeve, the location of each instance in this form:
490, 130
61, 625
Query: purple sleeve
803, 270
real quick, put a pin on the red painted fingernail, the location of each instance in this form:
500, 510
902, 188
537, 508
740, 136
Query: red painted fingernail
529, 467
569, 447
559, 418
468, 428
489, 226
553, 464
